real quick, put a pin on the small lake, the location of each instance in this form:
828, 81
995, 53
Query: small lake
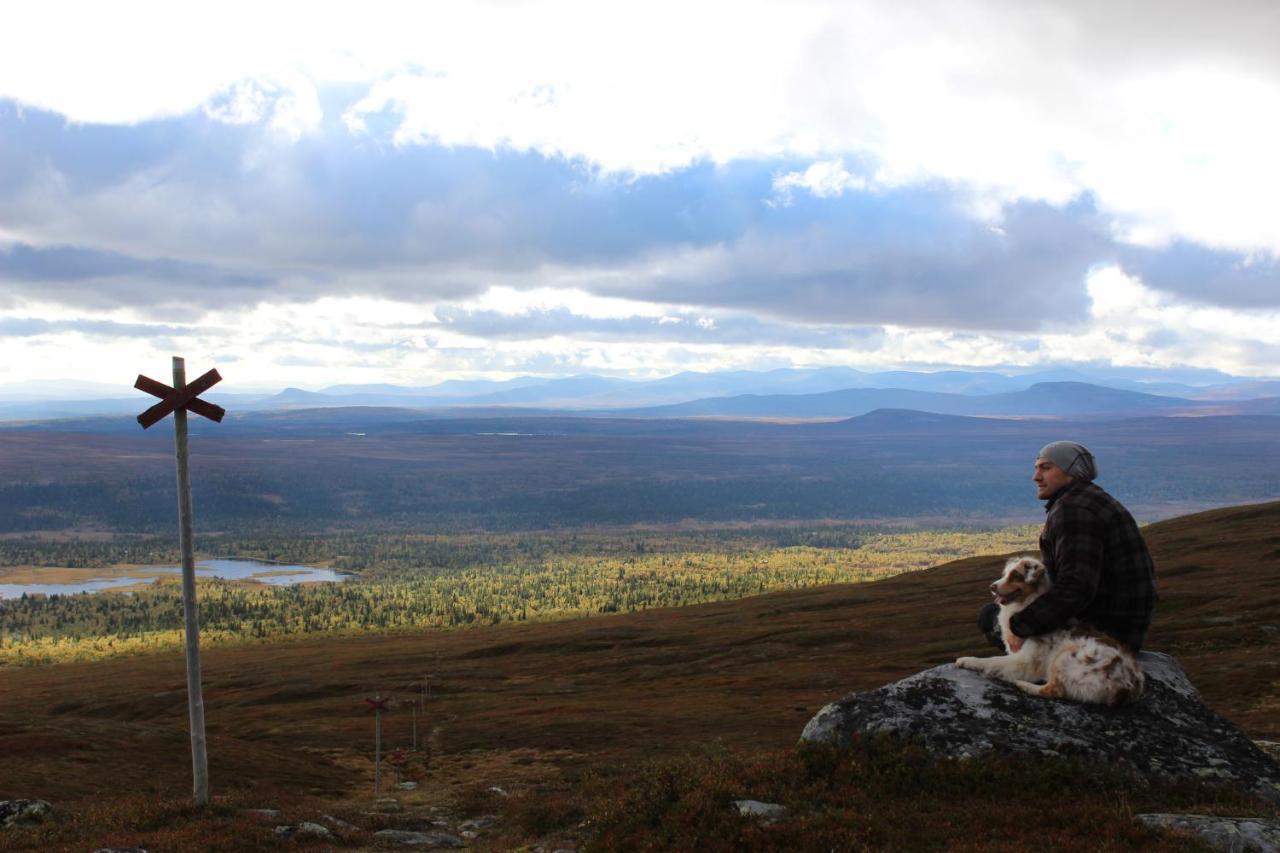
275, 574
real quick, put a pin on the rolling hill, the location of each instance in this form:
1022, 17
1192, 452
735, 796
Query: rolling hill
385, 467
567, 710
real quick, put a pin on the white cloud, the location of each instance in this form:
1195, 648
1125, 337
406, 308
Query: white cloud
369, 339
1170, 115
1116, 297
824, 179
1134, 325
289, 104
512, 300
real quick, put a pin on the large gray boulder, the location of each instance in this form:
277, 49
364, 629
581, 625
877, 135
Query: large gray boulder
1168, 733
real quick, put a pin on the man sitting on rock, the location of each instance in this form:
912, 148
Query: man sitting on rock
1097, 559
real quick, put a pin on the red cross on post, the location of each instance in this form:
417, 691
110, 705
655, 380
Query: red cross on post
178, 400
172, 399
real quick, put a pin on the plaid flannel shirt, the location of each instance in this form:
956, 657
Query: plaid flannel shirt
1100, 566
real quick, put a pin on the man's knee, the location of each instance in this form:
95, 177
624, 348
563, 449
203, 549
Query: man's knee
989, 625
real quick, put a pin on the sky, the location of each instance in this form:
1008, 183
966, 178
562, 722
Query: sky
307, 194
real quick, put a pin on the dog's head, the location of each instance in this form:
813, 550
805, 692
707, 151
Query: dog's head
1023, 579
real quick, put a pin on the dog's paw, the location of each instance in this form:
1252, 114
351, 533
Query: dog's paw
967, 663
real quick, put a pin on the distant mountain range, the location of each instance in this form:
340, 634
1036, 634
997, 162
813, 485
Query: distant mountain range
833, 392
1044, 399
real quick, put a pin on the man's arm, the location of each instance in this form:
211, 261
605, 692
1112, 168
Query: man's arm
1078, 540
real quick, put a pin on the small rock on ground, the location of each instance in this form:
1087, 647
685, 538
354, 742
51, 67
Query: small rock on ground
407, 786
766, 811
338, 823
1270, 747
24, 811
478, 823
306, 829
386, 805
264, 814
418, 839
1229, 834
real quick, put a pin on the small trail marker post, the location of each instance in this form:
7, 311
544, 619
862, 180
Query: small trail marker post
377, 706
398, 759
178, 400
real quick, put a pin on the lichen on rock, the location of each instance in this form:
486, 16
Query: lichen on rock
13, 812
1235, 834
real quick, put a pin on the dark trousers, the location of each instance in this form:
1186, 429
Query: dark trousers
989, 625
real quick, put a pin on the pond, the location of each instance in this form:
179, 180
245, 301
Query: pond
275, 574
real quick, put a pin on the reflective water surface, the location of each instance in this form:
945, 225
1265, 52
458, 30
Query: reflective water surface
268, 573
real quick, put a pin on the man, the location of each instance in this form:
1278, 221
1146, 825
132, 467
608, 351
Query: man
1099, 564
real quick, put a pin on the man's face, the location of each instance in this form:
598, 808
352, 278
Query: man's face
1049, 479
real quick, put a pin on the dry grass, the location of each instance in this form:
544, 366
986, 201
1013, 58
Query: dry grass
64, 574
872, 796
538, 709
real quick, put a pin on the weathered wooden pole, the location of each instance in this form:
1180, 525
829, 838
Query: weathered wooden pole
377, 704
377, 745
178, 399
190, 607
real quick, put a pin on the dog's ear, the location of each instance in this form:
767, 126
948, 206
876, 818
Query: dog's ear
1034, 570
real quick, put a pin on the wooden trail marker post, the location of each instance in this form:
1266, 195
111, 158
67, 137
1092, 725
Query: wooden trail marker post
398, 759
377, 706
178, 400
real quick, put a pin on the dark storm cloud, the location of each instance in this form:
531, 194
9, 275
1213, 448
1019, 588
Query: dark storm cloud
1208, 276
92, 278
26, 327
241, 217
911, 258
192, 212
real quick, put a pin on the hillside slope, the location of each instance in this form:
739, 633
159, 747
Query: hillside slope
524, 705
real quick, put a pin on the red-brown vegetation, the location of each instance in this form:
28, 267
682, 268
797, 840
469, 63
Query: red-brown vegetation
577, 713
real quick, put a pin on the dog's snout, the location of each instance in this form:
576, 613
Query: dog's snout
994, 585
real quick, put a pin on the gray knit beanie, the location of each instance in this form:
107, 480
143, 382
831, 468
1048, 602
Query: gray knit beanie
1075, 459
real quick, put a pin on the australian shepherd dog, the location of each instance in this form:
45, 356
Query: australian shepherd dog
1077, 663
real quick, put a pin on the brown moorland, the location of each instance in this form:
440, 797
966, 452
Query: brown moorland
599, 717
